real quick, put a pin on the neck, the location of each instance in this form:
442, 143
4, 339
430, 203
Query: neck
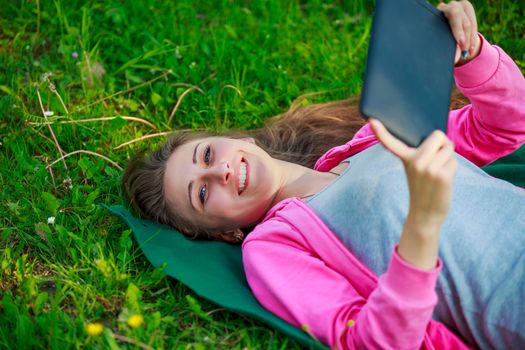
300, 181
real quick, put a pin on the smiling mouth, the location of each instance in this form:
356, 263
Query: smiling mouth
243, 176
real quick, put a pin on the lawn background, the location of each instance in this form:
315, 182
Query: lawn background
230, 64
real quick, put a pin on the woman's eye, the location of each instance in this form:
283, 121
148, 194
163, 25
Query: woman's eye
202, 194
207, 155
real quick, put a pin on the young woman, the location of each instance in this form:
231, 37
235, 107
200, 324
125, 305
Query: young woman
319, 238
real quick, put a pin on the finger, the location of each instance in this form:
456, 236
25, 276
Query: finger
444, 174
450, 168
427, 151
390, 142
467, 32
471, 14
442, 7
454, 14
442, 157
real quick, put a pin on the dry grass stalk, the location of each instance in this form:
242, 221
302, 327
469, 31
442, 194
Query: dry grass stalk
131, 341
45, 138
139, 120
165, 133
51, 129
188, 85
37, 34
60, 99
300, 99
126, 91
219, 102
86, 152
88, 63
52, 179
179, 100
53, 89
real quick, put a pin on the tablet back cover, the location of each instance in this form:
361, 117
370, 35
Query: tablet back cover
408, 78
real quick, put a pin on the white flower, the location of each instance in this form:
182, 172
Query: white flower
49, 113
46, 75
192, 65
68, 183
51, 220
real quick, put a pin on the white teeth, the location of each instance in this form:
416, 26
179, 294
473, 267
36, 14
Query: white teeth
242, 177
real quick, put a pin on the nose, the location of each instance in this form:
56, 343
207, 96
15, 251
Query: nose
222, 172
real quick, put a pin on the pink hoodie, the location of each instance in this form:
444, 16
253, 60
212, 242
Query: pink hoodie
299, 270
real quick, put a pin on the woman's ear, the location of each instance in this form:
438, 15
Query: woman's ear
249, 139
232, 236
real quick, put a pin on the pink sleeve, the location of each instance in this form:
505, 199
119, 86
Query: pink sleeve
493, 125
297, 286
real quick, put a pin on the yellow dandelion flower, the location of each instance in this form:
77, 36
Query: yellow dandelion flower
94, 329
135, 321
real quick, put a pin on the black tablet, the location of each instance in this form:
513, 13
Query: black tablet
408, 77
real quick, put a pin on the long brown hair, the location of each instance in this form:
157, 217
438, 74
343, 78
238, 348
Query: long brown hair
304, 133
300, 135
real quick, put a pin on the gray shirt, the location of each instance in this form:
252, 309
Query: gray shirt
481, 287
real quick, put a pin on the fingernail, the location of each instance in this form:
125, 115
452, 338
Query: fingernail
464, 54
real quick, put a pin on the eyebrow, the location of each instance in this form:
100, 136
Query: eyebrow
190, 185
195, 152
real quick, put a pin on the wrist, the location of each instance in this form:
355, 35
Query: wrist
428, 223
419, 243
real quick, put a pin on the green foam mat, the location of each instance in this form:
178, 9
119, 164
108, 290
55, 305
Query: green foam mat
211, 269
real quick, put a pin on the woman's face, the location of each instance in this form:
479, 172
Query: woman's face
221, 183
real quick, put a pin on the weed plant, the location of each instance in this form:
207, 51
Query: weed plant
79, 79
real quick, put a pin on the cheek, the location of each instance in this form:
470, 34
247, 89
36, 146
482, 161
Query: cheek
219, 200
261, 177
225, 208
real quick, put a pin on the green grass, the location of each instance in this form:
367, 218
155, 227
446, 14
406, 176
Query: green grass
84, 268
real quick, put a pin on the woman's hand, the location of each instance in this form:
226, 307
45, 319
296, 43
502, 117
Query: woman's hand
430, 170
462, 19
